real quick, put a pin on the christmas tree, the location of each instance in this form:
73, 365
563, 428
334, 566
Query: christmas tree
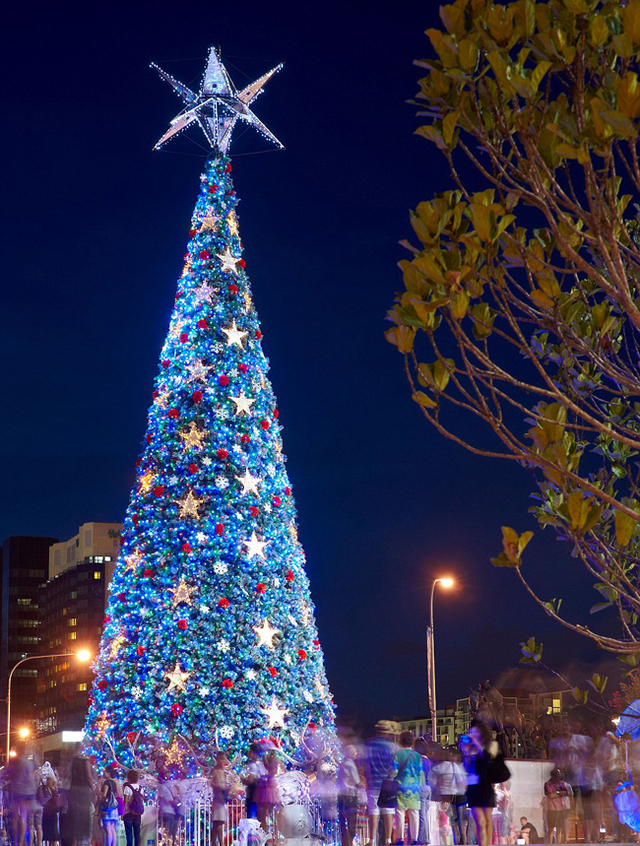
209, 638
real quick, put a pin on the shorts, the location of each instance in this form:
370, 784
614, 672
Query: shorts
35, 818
373, 807
556, 818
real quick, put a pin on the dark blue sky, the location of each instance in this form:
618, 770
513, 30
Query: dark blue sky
94, 226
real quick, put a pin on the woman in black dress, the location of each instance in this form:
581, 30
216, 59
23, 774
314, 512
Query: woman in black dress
478, 756
78, 824
50, 812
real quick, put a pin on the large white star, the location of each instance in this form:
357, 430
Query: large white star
249, 483
275, 714
228, 261
243, 403
266, 634
198, 371
218, 105
234, 335
177, 677
203, 294
255, 546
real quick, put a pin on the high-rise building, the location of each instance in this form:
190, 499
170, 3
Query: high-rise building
24, 564
72, 604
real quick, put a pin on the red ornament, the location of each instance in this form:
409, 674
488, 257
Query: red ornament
213, 189
231, 193
264, 424
253, 510
316, 643
202, 323
174, 413
289, 576
184, 338
223, 381
287, 490
89, 701
138, 462
166, 363
186, 547
122, 597
192, 233
311, 726
196, 396
121, 541
131, 736
103, 684
147, 572
224, 602
276, 500
219, 529
176, 709
260, 587
148, 438
302, 654
258, 334
273, 672
205, 254
242, 263
192, 468
155, 394
135, 519
182, 624
222, 453
245, 439
232, 289
158, 490
228, 168
227, 684
139, 650
242, 367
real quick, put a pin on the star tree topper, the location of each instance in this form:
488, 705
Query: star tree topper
217, 106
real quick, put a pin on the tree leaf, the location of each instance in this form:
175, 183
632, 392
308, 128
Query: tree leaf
631, 20
625, 527
422, 399
402, 337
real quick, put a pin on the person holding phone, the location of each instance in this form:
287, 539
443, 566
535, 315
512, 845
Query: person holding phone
479, 752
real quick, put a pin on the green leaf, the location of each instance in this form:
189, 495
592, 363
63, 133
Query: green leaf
538, 73
577, 7
433, 135
598, 31
449, 126
458, 304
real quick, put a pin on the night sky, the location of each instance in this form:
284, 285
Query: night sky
94, 226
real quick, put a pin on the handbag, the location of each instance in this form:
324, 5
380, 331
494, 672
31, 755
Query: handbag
498, 771
390, 788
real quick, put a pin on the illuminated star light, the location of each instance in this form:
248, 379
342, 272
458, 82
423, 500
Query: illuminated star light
255, 547
234, 335
102, 725
146, 482
232, 222
266, 634
193, 437
116, 644
249, 483
134, 560
198, 371
243, 403
275, 715
203, 294
209, 222
228, 262
217, 106
182, 594
189, 505
177, 677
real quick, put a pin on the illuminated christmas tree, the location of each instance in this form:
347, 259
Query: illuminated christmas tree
209, 638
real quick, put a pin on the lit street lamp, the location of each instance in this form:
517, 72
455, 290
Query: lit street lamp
431, 659
82, 655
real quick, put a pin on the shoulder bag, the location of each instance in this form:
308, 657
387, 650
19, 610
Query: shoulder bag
388, 797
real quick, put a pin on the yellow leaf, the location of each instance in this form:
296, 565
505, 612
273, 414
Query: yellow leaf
625, 526
422, 399
541, 298
458, 304
402, 337
449, 124
631, 20
598, 31
628, 95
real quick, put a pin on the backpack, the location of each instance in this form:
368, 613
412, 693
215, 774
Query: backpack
136, 802
109, 801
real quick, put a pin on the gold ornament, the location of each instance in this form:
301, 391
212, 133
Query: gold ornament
189, 506
232, 222
102, 725
193, 437
116, 645
182, 594
177, 678
132, 561
175, 753
209, 222
146, 481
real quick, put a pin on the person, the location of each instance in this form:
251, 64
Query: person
379, 756
459, 799
255, 773
133, 808
558, 795
79, 818
348, 784
422, 748
21, 776
528, 831
479, 752
325, 790
108, 806
408, 772
51, 811
168, 798
219, 788
267, 796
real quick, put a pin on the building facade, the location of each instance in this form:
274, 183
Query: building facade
72, 604
24, 564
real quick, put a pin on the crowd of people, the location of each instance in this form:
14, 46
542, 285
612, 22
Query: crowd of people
389, 790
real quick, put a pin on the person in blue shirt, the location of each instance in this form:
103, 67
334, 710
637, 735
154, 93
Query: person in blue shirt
378, 760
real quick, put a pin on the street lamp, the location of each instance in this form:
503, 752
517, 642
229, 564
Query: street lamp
445, 582
24, 733
82, 655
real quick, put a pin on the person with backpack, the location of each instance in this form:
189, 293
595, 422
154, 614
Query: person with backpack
133, 808
108, 806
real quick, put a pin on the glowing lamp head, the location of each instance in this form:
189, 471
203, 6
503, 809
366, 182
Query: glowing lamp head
24, 733
447, 583
12, 753
83, 655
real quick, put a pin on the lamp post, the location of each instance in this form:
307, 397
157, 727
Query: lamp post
431, 659
82, 655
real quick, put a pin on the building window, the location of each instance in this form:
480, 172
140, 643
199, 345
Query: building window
70, 554
82, 686
24, 602
88, 537
97, 574
74, 594
57, 558
73, 621
107, 558
73, 636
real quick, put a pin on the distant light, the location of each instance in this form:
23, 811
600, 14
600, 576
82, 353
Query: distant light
447, 583
13, 753
24, 733
72, 736
83, 655
615, 720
